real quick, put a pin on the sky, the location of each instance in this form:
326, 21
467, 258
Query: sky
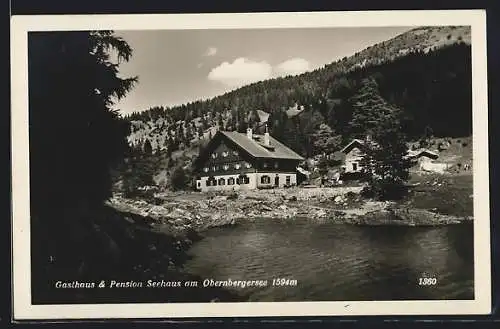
175, 67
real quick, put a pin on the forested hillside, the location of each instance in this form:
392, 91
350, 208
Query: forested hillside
425, 72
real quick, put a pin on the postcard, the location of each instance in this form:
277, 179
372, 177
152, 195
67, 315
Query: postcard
250, 165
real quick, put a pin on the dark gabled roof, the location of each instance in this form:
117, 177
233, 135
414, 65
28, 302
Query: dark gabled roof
253, 147
256, 148
422, 152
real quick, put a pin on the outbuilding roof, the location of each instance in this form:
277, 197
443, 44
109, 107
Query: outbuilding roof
354, 142
411, 153
422, 152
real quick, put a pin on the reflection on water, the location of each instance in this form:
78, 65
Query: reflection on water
340, 262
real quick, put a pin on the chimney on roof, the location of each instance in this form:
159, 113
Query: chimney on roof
249, 133
266, 138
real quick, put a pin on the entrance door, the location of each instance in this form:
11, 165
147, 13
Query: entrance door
277, 181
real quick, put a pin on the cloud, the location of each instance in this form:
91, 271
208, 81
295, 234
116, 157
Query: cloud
293, 66
241, 72
199, 65
211, 51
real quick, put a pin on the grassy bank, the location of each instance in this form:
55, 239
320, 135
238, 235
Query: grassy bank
448, 195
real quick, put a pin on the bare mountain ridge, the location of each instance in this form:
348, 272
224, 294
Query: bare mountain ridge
417, 39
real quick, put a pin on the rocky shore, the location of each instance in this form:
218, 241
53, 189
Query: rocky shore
340, 205
151, 237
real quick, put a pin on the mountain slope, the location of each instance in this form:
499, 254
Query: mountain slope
418, 39
425, 71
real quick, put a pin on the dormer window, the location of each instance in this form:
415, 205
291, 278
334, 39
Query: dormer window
225, 154
248, 165
237, 166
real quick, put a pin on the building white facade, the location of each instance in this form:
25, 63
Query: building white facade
353, 156
254, 181
237, 161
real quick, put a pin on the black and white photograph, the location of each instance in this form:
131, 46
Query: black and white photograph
277, 164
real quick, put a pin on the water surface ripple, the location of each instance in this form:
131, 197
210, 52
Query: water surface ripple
339, 262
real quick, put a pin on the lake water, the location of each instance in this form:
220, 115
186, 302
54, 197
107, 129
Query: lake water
326, 262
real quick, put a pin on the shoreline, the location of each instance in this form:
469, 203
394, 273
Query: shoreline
338, 205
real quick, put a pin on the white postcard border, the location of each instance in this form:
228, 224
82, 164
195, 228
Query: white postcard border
21, 25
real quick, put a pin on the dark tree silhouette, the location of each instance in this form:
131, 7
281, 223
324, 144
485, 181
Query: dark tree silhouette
179, 179
148, 149
74, 135
368, 109
325, 140
75, 139
386, 165
137, 172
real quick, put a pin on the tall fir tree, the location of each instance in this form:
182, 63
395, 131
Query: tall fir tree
220, 122
325, 140
148, 149
179, 179
73, 84
386, 164
76, 138
290, 135
138, 172
368, 109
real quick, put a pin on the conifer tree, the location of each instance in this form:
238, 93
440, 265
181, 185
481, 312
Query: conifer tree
179, 179
290, 135
325, 140
148, 149
139, 172
385, 164
368, 109
241, 123
171, 162
76, 138
220, 122
74, 81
